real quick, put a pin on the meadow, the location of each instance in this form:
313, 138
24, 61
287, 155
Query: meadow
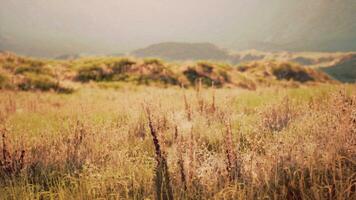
129, 128
172, 143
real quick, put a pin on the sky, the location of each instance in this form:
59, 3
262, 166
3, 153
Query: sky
54, 27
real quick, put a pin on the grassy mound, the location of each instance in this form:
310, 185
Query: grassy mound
146, 71
284, 73
208, 73
45, 75
30, 74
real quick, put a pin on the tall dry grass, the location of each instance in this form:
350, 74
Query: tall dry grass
179, 144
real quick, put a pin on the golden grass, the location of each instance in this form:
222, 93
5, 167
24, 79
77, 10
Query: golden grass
21, 73
152, 143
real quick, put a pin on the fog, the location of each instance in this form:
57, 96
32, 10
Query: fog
54, 27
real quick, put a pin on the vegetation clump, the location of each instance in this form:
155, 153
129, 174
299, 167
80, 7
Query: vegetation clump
187, 144
91, 73
31, 74
122, 66
209, 74
106, 71
32, 81
270, 73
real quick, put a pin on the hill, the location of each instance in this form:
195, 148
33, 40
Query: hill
344, 70
340, 65
183, 51
37, 74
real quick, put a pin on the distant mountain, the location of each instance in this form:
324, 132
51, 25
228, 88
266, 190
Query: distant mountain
344, 70
183, 51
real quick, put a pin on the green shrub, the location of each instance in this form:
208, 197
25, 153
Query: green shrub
194, 77
41, 82
122, 65
94, 73
289, 72
37, 69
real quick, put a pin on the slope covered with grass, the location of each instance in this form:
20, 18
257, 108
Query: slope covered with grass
344, 70
63, 76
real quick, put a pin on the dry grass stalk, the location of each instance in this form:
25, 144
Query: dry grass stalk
213, 106
188, 109
200, 99
192, 167
10, 164
11, 105
231, 157
74, 146
311, 158
163, 186
9, 108
180, 163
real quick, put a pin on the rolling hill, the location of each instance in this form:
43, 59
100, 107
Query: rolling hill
183, 51
344, 70
25, 73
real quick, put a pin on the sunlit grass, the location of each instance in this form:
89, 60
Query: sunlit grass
96, 143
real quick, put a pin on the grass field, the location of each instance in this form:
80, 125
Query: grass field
154, 143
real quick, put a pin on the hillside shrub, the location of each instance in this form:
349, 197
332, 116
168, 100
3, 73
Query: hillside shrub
122, 65
289, 72
41, 82
94, 73
37, 69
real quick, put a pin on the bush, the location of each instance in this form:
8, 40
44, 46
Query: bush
207, 74
94, 73
122, 66
289, 72
38, 82
37, 69
193, 76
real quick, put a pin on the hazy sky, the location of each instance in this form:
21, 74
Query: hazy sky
112, 26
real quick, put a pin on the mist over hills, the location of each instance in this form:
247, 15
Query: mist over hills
53, 28
321, 25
